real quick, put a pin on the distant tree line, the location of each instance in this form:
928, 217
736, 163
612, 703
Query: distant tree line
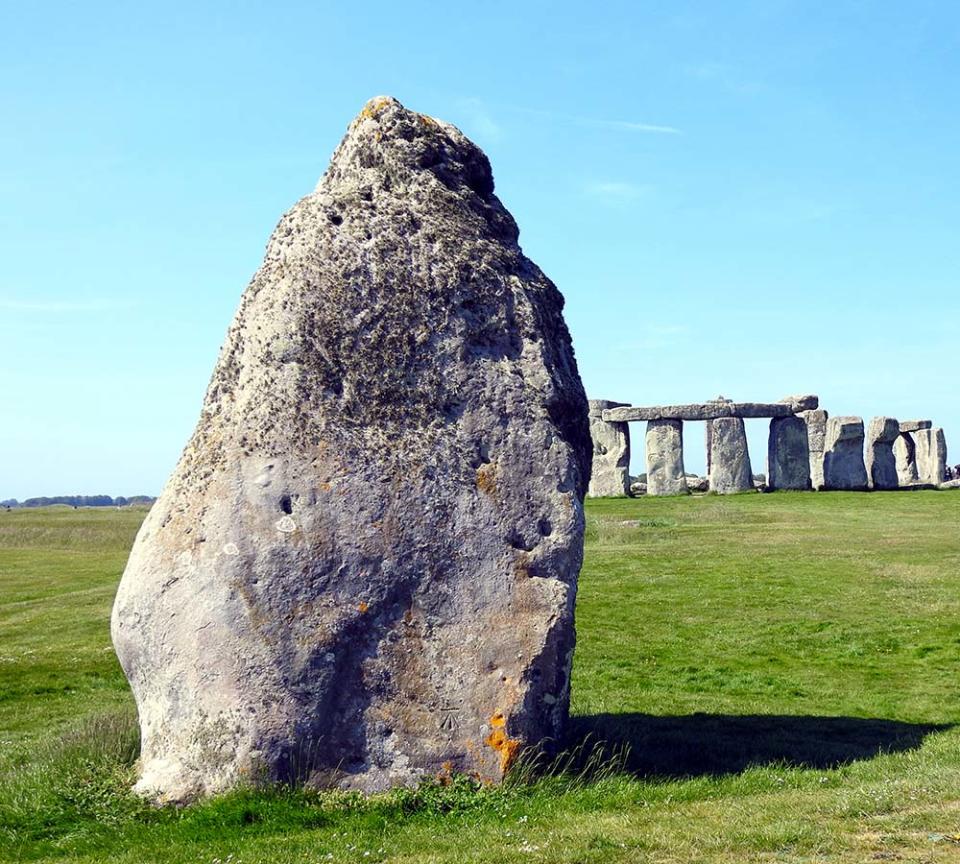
80, 501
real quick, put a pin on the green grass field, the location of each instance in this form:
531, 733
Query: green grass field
776, 677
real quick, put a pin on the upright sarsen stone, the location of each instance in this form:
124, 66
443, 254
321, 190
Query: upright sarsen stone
843, 465
363, 568
816, 421
788, 454
729, 459
664, 446
931, 453
881, 463
610, 475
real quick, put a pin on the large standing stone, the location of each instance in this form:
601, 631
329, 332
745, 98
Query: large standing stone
610, 475
843, 466
363, 568
664, 445
931, 455
788, 454
905, 456
816, 421
881, 463
729, 457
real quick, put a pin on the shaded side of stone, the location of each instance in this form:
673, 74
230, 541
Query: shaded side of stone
664, 446
905, 457
843, 464
788, 454
881, 463
730, 470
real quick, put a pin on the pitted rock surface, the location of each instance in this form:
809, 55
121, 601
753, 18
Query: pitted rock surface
363, 568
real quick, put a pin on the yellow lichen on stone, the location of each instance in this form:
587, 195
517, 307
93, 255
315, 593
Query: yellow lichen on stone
487, 478
375, 107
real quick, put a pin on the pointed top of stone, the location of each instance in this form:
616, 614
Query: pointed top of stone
390, 146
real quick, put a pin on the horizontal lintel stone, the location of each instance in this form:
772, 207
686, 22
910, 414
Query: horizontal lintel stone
712, 410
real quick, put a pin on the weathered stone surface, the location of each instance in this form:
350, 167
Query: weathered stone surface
611, 453
905, 457
881, 463
816, 421
931, 455
915, 425
664, 445
843, 465
788, 454
730, 470
698, 484
638, 488
363, 568
712, 410
950, 484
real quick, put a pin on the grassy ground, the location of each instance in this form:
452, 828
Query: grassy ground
783, 669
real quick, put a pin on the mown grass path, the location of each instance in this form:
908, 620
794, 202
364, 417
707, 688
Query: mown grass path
783, 670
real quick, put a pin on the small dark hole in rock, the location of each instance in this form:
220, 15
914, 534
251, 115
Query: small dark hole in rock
545, 527
336, 218
286, 505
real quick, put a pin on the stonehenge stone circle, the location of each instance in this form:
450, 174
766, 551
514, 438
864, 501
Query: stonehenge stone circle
729, 459
816, 421
788, 454
611, 453
363, 568
664, 444
843, 465
806, 448
931, 455
881, 464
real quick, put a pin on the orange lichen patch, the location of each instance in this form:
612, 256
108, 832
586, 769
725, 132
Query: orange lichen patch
507, 747
427, 121
362, 606
487, 478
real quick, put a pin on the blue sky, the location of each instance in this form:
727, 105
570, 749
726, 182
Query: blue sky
747, 199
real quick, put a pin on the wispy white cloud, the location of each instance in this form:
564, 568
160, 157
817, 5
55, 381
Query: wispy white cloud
60, 306
723, 75
480, 120
631, 126
617, 124
615, 190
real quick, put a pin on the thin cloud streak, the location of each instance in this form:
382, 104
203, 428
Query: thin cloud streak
598, 122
